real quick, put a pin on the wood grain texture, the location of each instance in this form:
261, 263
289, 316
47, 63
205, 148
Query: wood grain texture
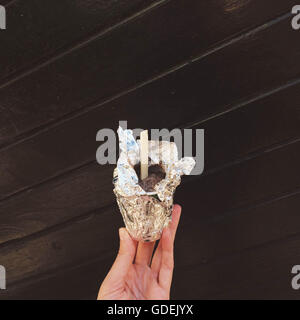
249, 128
79, 283
256, 180
140, 50
74, 242
199, 254
246, 228
65, 246
58, 201
7, 3
259, 273
37, 30
90, 187
71, 68
193, 93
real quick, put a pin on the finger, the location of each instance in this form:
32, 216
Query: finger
175, 220
144, 253
125, 255
167, 260
156, 261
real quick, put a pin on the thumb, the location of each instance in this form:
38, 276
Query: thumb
125, 255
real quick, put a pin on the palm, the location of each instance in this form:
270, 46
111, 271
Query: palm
141, 284
144, 278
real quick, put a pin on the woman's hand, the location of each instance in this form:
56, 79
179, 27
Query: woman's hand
134, 276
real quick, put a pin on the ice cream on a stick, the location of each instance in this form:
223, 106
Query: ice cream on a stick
155, 174
145, 181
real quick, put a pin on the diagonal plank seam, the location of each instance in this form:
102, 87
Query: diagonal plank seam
84, 110
53, 272
17, 75
100, 210
237, 106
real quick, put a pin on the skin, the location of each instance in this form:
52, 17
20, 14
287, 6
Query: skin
134, 275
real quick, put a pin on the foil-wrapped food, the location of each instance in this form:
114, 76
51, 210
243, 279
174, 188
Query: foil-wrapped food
146, 205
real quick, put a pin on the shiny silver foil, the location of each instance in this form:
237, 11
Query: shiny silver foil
146, 214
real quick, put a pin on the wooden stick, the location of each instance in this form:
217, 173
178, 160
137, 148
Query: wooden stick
144, 154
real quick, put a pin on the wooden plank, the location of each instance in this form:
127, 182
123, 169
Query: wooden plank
250, 181
228, 235
5, 2
250, 128
194, 242
175, 97
90, 237
152, 44
78, 283
225, 191
38, 30
59, 248
262, 273
90, 187
58, 201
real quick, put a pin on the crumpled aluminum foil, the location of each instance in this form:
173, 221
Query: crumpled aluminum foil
146, 214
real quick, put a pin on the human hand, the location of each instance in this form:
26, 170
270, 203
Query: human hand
134, 276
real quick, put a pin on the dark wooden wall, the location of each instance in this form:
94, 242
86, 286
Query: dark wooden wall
71, 67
